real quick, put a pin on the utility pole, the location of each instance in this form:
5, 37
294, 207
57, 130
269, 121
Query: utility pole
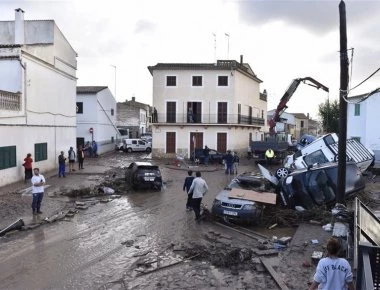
228, 45
340, 198
214, 46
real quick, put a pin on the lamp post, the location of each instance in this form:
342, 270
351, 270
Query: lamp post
114, 66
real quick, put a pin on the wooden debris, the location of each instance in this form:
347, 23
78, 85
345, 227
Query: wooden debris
274, 274
262, 197
265, 252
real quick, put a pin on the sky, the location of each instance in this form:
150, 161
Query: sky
281, 40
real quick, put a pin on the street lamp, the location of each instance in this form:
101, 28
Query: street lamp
114, 66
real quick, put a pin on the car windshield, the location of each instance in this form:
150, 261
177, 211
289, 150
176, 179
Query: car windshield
235, 183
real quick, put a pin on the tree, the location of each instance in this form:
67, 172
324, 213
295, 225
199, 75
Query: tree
329, 113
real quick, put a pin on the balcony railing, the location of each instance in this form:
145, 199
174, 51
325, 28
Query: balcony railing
221, 119
10, 101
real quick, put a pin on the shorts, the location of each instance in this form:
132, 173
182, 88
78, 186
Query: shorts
71, 161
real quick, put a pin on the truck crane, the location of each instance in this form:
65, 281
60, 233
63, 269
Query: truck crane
278, 142
286, 97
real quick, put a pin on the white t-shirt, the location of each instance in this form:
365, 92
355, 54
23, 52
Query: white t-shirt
37, 179
333, 273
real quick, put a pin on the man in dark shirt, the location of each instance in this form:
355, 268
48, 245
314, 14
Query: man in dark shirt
206, 154
186, 187
229, 161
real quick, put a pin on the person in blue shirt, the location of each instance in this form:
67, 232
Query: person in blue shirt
94, 149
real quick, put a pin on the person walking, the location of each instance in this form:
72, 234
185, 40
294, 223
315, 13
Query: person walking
229, 161
38, 181
72, 157
198, 189
61, 165
94, 149
186, 187
80, 155
333, 272
28, 167
206, 154
236, 161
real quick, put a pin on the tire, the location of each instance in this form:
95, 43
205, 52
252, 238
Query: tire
148, 149
129, 150
282, 172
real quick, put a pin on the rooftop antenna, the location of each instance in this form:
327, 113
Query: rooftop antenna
228, 44
214, 46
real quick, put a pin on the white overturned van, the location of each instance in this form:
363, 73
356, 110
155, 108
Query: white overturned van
136, 145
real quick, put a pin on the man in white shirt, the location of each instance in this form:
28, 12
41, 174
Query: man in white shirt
38, 181
198, 188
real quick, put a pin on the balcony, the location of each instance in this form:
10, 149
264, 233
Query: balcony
10, 101
207, 119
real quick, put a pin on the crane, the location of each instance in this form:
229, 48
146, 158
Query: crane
286, 97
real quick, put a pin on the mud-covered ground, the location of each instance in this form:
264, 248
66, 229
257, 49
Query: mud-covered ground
145, 239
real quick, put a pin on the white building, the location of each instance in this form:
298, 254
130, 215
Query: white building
287, 122
214, 104
37, 95
96, 117
362, 121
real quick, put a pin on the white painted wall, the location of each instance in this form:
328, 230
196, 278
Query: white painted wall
97, 115
365, 126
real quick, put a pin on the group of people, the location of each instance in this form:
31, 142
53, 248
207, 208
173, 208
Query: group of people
91, 149
196, 188
231, 162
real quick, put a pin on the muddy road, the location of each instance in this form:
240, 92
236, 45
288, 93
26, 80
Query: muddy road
115, 245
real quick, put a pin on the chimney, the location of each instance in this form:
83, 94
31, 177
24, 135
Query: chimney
19, 26
308, 115
133, 99
241, 59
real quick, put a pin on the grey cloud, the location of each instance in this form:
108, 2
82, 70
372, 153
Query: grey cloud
144, 26
316, 16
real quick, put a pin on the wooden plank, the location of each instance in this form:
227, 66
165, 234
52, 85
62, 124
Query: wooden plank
263, 197
274, 274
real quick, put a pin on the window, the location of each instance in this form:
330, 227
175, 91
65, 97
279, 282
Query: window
302, 124
40, 151
315, 157
357, 110
197, 81
222, 112
222, 81
194, 112
171, 81
7, 157
171, 112
112, 112
170, 142
79, 107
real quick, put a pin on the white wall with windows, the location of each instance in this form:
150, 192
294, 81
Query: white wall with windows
96, 109
45, 123
362, 122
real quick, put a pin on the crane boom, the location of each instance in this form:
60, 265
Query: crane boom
288, 94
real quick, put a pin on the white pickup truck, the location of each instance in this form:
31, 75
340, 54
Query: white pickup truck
324, 150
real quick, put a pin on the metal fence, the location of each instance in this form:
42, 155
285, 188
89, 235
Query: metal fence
10, 101
207, 119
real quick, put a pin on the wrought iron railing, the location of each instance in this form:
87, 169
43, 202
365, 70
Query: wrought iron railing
10, 101
207, 119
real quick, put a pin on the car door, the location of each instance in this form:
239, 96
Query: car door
141, 145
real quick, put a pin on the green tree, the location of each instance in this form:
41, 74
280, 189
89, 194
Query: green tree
329, 114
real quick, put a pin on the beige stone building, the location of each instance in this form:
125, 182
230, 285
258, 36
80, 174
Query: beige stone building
214, 104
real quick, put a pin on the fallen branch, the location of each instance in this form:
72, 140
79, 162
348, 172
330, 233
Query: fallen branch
167, 266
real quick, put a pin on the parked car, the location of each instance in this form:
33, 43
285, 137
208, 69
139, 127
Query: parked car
214, 156
240, 210
144, 175
318, 185
136, 145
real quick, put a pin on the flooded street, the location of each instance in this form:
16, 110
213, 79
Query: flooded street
99, 247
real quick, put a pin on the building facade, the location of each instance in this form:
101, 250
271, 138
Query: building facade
133, 118
361, 121
37, 95
214, 104
96, 117
287, 123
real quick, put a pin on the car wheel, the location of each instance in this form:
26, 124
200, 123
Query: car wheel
129, 150
148, 149
282, 173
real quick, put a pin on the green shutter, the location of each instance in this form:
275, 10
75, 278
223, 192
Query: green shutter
40, 151
7, 157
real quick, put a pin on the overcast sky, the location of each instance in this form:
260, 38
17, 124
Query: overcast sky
281, 40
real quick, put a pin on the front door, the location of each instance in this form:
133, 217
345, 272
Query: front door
221, 145
196, 141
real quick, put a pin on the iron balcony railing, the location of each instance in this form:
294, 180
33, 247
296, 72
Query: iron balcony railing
207, 119
10, 101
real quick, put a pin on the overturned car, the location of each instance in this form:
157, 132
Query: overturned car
316, 186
